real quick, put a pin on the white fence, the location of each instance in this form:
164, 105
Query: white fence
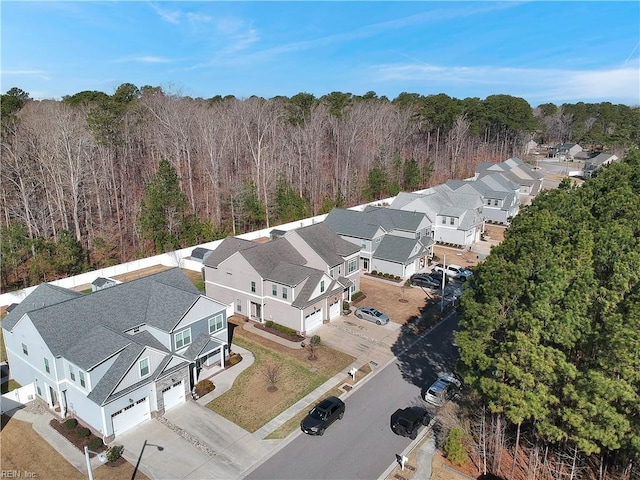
179, 258
16, 398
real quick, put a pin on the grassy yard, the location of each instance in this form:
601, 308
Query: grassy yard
250, 404
24, 451
9, 386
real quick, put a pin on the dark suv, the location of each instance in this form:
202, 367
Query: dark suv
407, 421
322, 415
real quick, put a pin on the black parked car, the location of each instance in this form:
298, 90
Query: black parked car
423, 280
322, 415
407, 421
437, 276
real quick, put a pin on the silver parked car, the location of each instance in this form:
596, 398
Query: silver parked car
443, 389
371, 314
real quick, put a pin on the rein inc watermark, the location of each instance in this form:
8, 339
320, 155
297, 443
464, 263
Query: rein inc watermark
17, 474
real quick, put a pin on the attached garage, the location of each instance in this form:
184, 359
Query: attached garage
334, 310
173, 395
313, 320
130, 416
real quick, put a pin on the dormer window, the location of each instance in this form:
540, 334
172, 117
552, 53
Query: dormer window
72, 373
144, 367
321, 286
83, 382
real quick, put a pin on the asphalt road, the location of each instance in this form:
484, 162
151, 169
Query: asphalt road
362, 445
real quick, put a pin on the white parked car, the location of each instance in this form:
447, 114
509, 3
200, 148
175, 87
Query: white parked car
455, 271
443, 389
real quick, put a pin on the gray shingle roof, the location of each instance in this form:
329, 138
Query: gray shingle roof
288, 274
399, 249
304, 299
265, 257
95, 346
324, 241
351, 223
112, 377
43, 296
158, 300
227, 247
200, 253
394, 219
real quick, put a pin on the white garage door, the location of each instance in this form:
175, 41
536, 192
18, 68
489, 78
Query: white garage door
312, 321
410, 269
173, 395
130, 416
334, 310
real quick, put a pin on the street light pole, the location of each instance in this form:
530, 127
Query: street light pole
444, 272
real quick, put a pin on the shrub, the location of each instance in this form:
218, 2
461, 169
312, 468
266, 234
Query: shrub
281, 328
345, 305
374, 272
234, 359
356, 295
204, 386
95, 443
453, 447
83, 432
114, 453
397, 277
315, 340
70, 424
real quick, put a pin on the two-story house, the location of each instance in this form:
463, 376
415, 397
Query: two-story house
391, 241
118, 356
499, 195
456, 216
516, 171
298, 280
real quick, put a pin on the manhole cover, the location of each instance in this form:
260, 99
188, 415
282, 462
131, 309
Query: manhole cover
346, 387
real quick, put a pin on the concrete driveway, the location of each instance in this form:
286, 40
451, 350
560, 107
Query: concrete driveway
196, 444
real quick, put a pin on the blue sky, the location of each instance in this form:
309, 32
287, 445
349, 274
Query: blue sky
541, 51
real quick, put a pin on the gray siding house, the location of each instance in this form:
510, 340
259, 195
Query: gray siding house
118, 356
456, 216
390, 240
298, 280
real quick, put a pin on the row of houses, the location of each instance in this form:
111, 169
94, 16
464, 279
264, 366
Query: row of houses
130, 351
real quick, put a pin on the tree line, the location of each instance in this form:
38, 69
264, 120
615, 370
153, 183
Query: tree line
549, 335
81, 169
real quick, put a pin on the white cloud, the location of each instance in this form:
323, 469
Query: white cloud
534, 84
27, 73
168, 16
144, 59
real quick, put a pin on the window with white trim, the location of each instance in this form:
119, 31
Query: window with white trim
72, 373
253, 287
451, 221
83, 382
331, 273
352, 265
46, 365
274, 290
285, 293
238, 305
216, 323
321, 286
25, 350
444, 220
183, 338
144, 367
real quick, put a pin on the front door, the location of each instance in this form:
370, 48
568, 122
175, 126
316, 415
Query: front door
365, 264
53, 397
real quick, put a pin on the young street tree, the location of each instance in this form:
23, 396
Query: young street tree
163, 209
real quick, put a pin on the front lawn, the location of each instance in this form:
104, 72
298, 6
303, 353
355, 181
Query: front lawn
249, 404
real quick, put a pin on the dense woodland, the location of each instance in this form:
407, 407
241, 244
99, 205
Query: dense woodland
98, 179
550, 336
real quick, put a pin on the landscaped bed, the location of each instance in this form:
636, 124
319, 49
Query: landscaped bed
249, 404
24, 451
